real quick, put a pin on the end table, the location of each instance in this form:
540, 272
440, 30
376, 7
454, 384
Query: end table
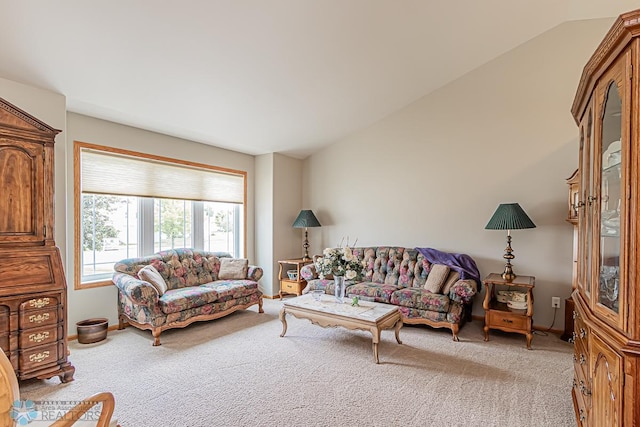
288, 285
499, 316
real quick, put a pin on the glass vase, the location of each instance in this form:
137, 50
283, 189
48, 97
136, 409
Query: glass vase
339, 288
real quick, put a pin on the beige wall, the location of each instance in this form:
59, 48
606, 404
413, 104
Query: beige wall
278, 201
433, 173
101, 302
264, 222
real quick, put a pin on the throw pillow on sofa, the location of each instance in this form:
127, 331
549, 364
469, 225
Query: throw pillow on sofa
436, 278
231, 268
148, 273
454, 276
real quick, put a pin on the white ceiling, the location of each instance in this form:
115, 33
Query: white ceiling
261, 76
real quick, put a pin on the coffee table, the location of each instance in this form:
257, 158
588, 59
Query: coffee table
368, 316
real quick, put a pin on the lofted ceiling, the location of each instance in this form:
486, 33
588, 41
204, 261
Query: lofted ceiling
262, 76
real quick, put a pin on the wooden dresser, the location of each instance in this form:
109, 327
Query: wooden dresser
606, 385
33, 291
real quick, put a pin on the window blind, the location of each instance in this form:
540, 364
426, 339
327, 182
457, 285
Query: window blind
111, 173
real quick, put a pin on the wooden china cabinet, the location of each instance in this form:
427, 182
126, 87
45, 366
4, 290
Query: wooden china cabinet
606, 385
33, 295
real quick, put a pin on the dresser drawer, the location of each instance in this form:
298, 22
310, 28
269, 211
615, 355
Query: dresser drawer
39, 303
38, 336
581, 332
37, 357
581, 358
504, 319
37, 318
582, 397
4, 318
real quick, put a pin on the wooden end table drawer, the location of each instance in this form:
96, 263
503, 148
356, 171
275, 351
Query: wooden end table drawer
507, 320
289, 287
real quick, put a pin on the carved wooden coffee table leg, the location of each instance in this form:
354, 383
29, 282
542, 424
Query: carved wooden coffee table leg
398, 326
283, 319
375, 338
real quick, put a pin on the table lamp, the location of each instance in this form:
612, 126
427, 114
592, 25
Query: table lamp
306, 219
509, 216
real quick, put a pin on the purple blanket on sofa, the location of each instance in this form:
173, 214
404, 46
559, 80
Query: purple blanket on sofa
462, 263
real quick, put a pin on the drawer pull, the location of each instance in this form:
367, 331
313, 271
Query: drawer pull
39, 357
507, 320
39, 337
39, 318
583, 333
583, 359
583, 417
575, 358
39, 303
575, 383
575, 315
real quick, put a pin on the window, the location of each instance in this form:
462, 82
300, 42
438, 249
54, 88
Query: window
122, 212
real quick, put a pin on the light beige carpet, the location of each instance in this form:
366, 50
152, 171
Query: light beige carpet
237, 371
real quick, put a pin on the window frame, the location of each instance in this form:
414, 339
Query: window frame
77, 199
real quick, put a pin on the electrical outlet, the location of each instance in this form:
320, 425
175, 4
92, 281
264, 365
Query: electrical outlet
555, 302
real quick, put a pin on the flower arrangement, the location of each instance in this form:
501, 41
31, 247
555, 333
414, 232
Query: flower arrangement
340, 261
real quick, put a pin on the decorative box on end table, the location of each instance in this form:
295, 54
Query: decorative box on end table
499, 316
292, 285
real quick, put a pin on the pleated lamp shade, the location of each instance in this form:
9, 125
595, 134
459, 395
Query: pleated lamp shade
305, 219
509, 216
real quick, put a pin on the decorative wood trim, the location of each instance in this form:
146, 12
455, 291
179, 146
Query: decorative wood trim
455, 328
625, 28
157, 330
77, 221
27, 118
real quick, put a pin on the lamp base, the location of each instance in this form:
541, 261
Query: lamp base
306, 245
508, 273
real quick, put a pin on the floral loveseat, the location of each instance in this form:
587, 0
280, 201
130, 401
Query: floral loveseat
192, 291
397, 275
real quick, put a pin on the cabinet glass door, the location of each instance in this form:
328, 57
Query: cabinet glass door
610, 200
611, 207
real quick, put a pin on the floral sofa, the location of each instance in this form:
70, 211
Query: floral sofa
397, 275
192, 291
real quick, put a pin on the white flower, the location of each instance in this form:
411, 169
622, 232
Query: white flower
350, 275
348, 255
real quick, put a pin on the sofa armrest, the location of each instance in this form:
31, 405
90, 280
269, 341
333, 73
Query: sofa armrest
309, 272
254, 273
138, 291
463, 291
